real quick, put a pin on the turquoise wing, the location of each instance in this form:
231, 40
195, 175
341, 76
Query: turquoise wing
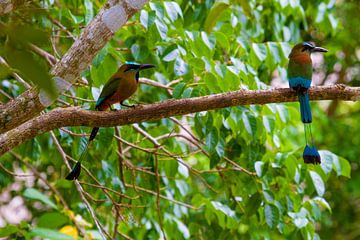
108, 91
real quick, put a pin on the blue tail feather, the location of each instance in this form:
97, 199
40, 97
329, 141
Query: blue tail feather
305, 110
311, 155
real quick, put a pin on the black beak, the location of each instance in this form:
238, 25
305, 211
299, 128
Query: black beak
146, 66
319, 49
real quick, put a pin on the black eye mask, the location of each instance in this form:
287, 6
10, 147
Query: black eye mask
307, 46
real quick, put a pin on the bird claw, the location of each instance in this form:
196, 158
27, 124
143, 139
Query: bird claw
129, 106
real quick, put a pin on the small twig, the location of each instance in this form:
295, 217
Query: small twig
15, 174
108, 189
74, 134
145, 134
120, 156
158, 195
240, 168
158, 145
184, 128
143, 170
147, 150
79, 98
164, 197
5, 94
102, 231
153, 83
15, 75
42, 53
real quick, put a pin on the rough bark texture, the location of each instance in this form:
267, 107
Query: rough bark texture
111, 17
72, 116
6, 6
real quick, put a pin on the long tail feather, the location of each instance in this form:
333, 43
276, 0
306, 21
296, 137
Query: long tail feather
75, 172
305, 110
311, 154
93, 133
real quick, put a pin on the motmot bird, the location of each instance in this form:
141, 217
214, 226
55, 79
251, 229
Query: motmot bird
300, 74
118, 88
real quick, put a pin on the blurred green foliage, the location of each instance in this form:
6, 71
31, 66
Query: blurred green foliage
209, 47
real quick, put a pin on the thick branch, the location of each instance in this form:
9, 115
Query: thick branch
7, 6
72, 116
111, 17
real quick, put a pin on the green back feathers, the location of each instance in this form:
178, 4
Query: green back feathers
299, 69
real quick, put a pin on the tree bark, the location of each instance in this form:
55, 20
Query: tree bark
110, 18
72, 116
6, 6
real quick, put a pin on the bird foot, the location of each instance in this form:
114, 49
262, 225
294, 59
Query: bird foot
129, 106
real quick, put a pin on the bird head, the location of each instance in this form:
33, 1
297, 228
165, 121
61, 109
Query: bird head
305, 49
136, 67
133, 67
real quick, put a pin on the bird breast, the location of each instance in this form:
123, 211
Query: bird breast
126, 89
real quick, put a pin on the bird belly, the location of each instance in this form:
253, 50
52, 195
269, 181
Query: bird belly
299, 83
125, 90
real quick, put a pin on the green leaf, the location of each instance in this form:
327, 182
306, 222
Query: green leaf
253, 204
180, 67
197, 63
327, 161
8, 230
100, 57
269, 123
259, 50
323, 203
187, 93
220, 147
223, 208
214, 14
275, 52
52, 220
49, 234
212, 83
173, 10
182, 228
171, 56
31, 68
299, 219
246, 7
271, 215
162, 28
259, 167
32, 193
209, 41
89, 11
249, 123
341, 166
178, 90
4, 71
147, 19
139, 52
222, 40
212, 139
318, 183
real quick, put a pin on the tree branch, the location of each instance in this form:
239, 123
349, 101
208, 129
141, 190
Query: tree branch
7, 6
110, 18
74, 116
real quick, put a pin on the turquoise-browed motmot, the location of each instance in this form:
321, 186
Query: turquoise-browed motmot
120, 87
300, 74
